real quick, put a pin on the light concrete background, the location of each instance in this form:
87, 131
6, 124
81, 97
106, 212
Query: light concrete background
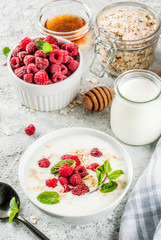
18, 19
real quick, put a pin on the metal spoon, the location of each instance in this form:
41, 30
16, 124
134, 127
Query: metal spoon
6, 194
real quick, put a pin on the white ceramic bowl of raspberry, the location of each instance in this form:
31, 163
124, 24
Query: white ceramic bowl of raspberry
47, 97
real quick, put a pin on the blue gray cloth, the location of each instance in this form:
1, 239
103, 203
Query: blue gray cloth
141, 219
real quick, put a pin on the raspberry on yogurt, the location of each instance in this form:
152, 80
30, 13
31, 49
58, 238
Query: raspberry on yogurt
80, 190
75, 179
51, 182
74, 157
95, 152
44, 163
65, 170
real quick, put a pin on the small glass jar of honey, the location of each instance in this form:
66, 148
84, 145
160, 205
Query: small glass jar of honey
69, 19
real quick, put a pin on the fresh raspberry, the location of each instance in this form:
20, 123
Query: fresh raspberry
31, 68
63, 69
55, 68
64, 77
31, 48
63, 181
65, 170
57, 77
80, 170
50, 39
29, 59
41, 78
20, 72
93, 166
74, 157
66, 188
72, 49
80, 190
21, 55
63, 46
65, 56
16, 51
30, 130
56, 56
95, 152
44, 163
72, 65
54, 47
41, 63
28, 78
50, 82
59, 43
51, 182
77, 57
15, 62
68, 74
24, 43
40, 53
75, 179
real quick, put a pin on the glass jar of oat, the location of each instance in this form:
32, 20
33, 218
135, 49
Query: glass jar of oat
127, 34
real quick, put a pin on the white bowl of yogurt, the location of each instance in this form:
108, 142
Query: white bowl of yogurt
78, 141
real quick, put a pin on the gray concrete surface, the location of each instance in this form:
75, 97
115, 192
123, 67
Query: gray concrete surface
18, 19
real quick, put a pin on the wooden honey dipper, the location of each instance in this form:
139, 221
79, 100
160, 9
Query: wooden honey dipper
100, 97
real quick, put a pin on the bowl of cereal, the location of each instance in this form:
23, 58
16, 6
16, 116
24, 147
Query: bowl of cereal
46, 72
127, 34
76, 174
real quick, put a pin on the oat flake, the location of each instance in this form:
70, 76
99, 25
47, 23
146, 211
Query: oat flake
33, 219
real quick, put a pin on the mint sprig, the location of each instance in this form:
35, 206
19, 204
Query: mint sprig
44, 46
6, 51
55, 168
103, 173
49, 198
14, 209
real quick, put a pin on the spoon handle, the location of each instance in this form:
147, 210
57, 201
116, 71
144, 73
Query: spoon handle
33, 229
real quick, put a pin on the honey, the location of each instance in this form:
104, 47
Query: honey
65, 23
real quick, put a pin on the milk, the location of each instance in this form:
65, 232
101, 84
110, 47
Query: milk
137, 122
71, 204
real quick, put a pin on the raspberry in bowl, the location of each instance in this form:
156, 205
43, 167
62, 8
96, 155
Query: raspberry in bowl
75, 191
46, 72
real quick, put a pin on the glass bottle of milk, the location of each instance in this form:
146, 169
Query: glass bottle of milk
136, 108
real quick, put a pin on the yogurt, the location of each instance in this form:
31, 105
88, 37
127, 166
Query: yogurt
80, 145
136, 108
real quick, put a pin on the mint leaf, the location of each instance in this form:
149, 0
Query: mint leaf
109, 187
47, 48
100, 177
55, 168
13, 204
14, 209
39, 44
105, 168
115, 174
6, 51
49, 198
12, 216
44, 46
